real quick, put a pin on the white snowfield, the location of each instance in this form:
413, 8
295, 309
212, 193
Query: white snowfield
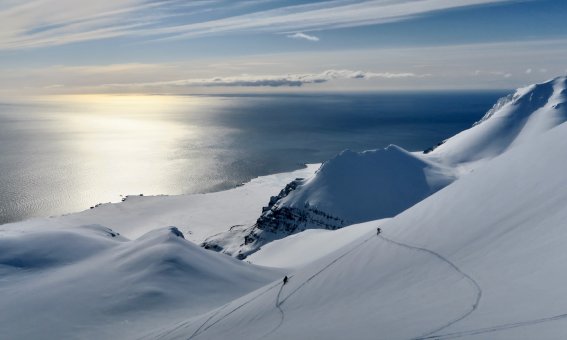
88, 282
481, 258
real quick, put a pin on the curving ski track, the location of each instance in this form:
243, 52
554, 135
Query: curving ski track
497, 328
473, 282
282, 315
324, 268
279, 303
197, 332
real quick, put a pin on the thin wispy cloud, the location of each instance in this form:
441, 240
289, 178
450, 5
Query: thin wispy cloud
303, 36
494, 73
38, 23
322, 16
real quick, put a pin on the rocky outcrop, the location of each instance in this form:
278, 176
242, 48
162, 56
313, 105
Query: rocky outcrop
276, 221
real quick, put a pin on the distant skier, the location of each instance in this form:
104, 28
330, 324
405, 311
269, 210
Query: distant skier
378, 231
285, 279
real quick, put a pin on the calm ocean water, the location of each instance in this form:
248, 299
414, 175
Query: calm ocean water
65, 154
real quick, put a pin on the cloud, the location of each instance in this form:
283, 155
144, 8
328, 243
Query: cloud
40, 23
321, 16
494, 73
300, 35
288, 80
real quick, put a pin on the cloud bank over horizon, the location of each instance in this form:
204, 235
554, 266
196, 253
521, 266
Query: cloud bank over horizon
287, 80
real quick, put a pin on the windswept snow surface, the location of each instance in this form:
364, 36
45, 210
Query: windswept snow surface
481, 258
89, 282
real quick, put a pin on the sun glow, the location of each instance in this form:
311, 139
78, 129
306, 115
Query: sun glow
120, 139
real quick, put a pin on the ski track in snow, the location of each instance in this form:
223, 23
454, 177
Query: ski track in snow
282, 315
473, 282
196, 333
324, 268
208, 319
428, 335
497, 328
280, 303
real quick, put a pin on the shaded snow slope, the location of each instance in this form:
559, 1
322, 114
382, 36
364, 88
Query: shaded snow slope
527, 113
386, 182
481, 257
197, 216
350, 188
89, 282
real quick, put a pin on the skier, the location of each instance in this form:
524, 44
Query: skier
378, 231
285, 279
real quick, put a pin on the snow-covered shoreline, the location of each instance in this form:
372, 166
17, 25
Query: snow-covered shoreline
196, 215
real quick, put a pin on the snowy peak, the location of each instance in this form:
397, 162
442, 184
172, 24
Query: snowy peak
367, 185
352, 187
514, 119
374, 159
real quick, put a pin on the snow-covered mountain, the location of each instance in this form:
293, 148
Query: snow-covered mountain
350, 188
514, 119
358, 187
479, 258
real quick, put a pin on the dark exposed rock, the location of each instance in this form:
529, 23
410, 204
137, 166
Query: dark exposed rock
277, 222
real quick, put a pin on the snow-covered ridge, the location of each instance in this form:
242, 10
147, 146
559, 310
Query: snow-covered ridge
350, 188
518, 117
93, 276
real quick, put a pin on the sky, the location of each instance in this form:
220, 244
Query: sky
228, 46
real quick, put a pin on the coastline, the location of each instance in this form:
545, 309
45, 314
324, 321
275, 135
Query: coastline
196, 215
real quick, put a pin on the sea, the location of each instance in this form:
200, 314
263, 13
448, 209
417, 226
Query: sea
62, 154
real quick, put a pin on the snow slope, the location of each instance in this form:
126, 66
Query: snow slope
89, 282
517, 118
481, 258
301, 249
